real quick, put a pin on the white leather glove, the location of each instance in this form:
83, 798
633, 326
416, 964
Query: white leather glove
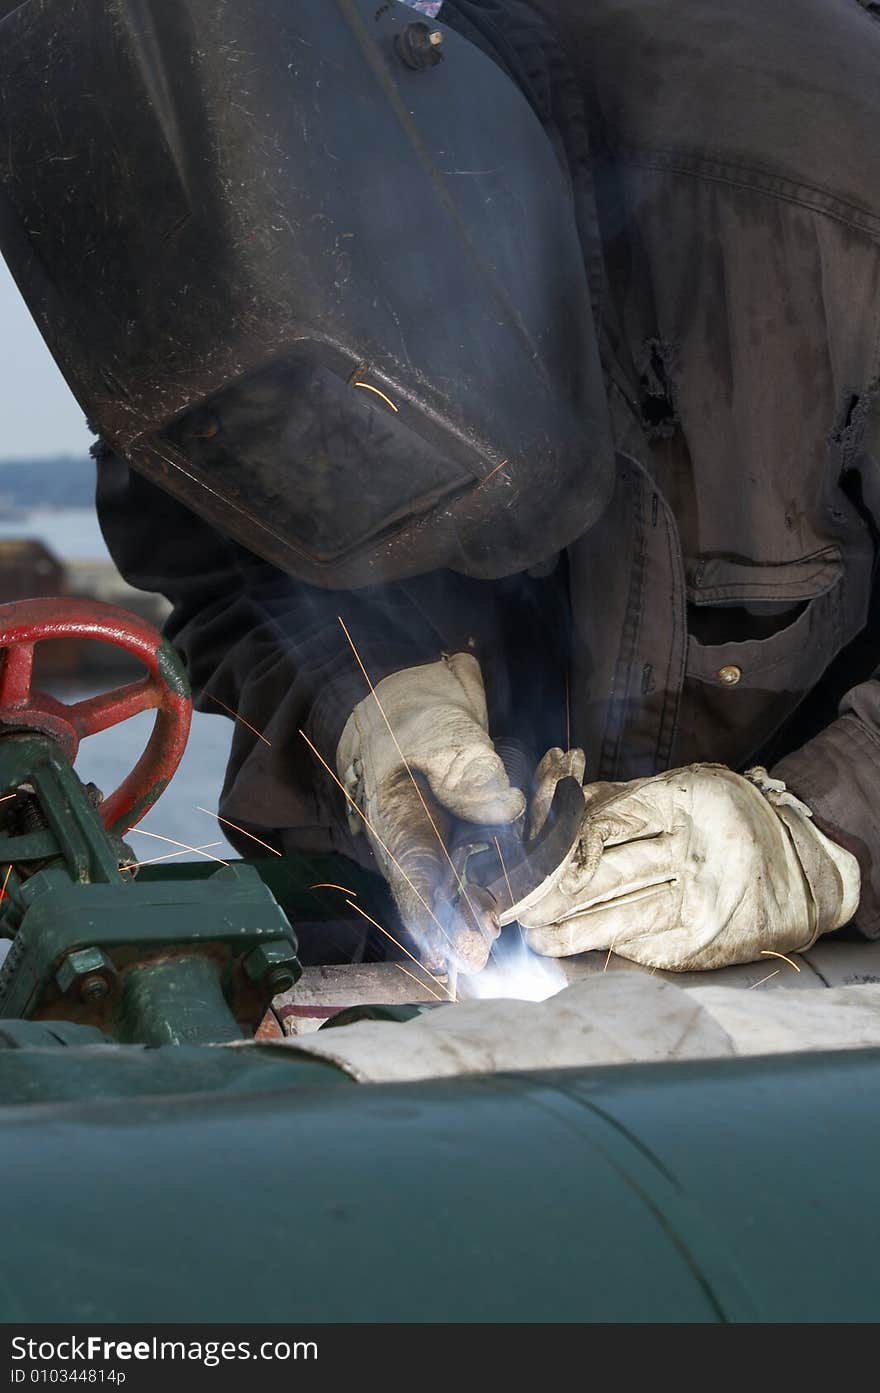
440, 725
695, 868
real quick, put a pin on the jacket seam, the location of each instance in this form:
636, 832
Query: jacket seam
673, 691
771, 184
610, 754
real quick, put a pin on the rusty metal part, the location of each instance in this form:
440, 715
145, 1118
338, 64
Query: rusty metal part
270, 1027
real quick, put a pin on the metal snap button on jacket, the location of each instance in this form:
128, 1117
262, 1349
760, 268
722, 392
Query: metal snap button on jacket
729, 674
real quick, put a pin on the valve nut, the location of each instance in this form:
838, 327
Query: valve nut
87, 973
275, 965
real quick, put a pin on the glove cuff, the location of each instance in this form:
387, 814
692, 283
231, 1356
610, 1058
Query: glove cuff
831, 872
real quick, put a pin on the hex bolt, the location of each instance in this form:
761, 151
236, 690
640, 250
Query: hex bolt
274, 965
86, 971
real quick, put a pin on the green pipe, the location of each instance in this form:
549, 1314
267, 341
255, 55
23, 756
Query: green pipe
276, 1190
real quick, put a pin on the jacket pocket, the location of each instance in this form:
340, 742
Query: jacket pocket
738, 693
719, 581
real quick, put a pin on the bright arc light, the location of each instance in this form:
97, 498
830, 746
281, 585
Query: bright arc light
515, 972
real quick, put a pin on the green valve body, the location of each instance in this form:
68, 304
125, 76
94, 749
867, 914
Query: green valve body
194, 961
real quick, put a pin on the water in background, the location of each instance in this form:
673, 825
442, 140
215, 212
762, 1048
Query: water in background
71, 533
105, 759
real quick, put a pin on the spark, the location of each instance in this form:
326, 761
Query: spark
351, 904
504, 869
368, 387
493, 472
3, 894
567, 709
610, 951
6, 797
765, 979
406, 765
329, 885
169, 855
243, 832
171, 841
241, 718
423, 985
769, 953
372, 829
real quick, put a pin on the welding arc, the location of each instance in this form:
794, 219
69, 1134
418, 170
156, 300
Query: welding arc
351, 904
369, 825
460, 879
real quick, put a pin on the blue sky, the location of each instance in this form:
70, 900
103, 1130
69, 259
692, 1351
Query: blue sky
38, 414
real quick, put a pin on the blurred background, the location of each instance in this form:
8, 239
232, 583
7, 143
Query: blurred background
51, 544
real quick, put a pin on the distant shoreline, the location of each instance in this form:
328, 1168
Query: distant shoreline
56, 481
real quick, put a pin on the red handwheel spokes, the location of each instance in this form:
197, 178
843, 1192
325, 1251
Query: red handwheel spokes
164, 689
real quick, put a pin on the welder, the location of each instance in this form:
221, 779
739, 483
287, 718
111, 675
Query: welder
683, 618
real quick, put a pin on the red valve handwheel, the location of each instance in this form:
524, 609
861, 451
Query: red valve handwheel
165, 688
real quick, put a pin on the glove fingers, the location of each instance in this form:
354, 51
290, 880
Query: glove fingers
473, 785
592, 882
557, 764
645, 912
407, 831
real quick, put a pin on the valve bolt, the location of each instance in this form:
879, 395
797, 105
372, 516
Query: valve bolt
93, 988
279, 980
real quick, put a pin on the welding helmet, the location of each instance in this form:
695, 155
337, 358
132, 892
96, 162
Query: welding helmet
322, 287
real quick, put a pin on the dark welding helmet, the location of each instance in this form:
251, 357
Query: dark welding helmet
311, 266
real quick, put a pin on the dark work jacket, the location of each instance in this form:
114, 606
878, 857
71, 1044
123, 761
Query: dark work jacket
724, 160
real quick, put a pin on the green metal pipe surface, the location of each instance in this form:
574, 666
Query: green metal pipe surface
204, 1184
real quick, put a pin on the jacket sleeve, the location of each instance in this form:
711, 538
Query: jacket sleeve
837, 773
266, 647
272, 650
